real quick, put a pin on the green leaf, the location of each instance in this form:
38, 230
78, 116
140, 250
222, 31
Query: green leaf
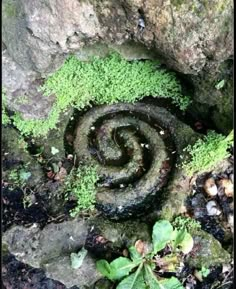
134, 281
172, 283
186, 244
54, 150
134, 254
150, 278
77, 259
220, 84
24, 176
104, 268
121, 267
55, 168
178, 237
204, 271
161, 234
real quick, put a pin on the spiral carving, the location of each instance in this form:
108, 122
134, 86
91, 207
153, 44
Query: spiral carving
132, 147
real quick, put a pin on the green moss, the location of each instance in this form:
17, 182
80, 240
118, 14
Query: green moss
177, 3
103, 81
206, 153
9, 9
81, 184
5, 118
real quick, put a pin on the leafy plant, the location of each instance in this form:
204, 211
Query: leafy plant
5, 118
137, 272
207, 152
204, 271
102, 81
181, 222
81, 184
220, 84
18, 177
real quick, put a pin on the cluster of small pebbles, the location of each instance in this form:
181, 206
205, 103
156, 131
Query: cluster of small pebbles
212, 202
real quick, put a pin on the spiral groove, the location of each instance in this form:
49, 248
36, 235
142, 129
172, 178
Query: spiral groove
131, 145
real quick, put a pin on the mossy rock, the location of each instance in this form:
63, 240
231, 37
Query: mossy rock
17, 160
207, 251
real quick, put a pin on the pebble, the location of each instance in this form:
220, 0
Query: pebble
210, 187
212, 209
231, 222
228, 187
226, 268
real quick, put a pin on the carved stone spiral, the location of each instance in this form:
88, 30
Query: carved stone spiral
132, 146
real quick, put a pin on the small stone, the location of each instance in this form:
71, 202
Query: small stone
212, 209
210, 187
231, 222
226, 268
70, 157
228, 187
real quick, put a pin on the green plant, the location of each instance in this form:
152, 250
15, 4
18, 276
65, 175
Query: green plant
102, 81
204, 271
181, 222
5, 118
220, 84
138, 271
81, 184
18, 177
207, 152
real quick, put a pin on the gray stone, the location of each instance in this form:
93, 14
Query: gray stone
83, 277
121, 234
195, 38
36, 247
35, 37
207, 251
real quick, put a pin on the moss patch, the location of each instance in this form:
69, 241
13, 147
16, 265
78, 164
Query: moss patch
102, 81
206, 153
10, 9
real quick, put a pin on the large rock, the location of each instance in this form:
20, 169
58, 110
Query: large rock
37, 33
192, 37
36, 247
207, 251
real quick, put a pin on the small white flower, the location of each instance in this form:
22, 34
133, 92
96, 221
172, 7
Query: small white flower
162, 132
122, 185
147, 146
120, 207
142, 145
173, 152
72, 118
92, 127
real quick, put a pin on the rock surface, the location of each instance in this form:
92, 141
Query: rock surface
38, 33
207, 251
194, 38
15, 156
36, 247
